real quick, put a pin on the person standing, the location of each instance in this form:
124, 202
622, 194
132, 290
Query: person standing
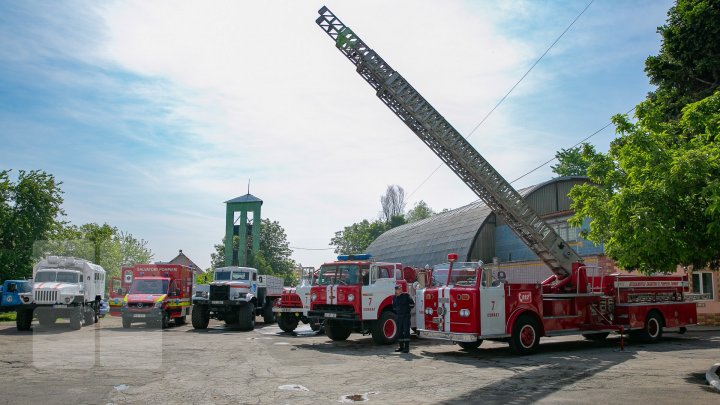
402, 304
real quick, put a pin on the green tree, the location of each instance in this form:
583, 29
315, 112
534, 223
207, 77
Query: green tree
419, 212
30, 210
358, 236
656, 203
574, 161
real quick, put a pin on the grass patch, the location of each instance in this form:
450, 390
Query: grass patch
7, 317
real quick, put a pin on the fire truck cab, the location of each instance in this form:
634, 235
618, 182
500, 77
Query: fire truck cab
354, 294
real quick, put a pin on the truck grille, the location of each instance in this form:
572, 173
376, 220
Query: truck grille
219, 292
45, 296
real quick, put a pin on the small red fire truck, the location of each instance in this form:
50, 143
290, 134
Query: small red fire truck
354, 294
294, 303
153, 293
466, 303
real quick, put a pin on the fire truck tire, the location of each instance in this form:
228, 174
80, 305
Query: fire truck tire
76, 319
652, 332
165, 320
470, 345
288, 322
385, 330
337, 331
525, 337
23, 320
180, 320
596, 337
200, 317
268, 314
126, 322
247, 317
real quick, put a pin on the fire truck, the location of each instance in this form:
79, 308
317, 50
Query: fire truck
155, 294
354, 294
294, 304
470, 304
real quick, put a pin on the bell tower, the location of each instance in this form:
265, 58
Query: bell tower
247, 223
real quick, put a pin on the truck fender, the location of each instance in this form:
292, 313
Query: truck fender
525, 309
385, 305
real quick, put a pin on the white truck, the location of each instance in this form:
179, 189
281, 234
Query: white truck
64, 287
237, 295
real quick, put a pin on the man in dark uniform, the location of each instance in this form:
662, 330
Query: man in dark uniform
402, 304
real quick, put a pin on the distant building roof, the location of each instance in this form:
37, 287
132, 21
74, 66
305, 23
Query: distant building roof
185, 261
244, 198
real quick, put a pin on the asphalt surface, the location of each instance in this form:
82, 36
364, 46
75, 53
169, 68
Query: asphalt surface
105, 364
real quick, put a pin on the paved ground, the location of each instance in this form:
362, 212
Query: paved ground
107, 364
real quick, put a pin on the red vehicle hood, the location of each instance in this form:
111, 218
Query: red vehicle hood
144, 297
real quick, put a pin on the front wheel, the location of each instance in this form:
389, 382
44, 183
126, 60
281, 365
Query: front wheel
76, 319
247, 317
337, 331
288, 322
126, 322
470, 345
385, 330
652, 332
525, 337
200, 317
23, 319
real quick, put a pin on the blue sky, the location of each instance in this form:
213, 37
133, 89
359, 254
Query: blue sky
152, 114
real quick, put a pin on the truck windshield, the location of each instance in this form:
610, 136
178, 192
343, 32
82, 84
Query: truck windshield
339, 274
222, 276
240, 275
57, 276
140, 286
45, 276
463, 274
24, 287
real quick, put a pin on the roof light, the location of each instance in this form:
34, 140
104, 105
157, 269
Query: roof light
363, 256
452, 257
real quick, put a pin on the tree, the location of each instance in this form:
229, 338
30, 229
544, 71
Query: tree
392, 203
656, 202
358, 236
573, 161
30, 210
419, 212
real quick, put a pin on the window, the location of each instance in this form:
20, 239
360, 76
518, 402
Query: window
702, 284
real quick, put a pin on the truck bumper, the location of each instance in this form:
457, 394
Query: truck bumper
340, 316
153, 314
451, 336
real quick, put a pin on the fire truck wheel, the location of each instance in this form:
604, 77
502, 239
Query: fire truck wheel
23, 319
337, 331
288, 322
200, 317
126, 322
652, 332
596, 337
470, 345
165, 320
180, 320
268, 314
385, 330
247, 317
76, 318
525, 337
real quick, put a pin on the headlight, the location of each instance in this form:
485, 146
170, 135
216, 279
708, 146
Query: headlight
351, 297
429, 311
313, 297
464, 313
68, 299
158, 304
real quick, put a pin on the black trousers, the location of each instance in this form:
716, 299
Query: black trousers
403, 322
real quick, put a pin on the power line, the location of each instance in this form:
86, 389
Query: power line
510, 91
301, 248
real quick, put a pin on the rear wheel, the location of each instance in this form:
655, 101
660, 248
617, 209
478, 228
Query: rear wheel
76, 319
89, 316
268, 314
525, 337
337, 331
385, 330
23, 319
652, 332
126, 322
470, 345
288, 322
200, 317
247, 317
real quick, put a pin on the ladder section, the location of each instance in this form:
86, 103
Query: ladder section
451, 147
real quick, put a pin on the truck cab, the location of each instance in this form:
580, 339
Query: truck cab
14, 293
354, 294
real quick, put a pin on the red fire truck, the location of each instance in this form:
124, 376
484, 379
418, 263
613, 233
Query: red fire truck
469, 305
354, 294
466, 304
153, 294
294, 304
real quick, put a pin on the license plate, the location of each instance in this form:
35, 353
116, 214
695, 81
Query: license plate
59, 306
138, 315
285, 310
216, 302
330, 315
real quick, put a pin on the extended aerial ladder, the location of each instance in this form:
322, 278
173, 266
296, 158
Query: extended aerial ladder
452, 148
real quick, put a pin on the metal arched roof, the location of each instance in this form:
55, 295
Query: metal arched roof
430, 240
